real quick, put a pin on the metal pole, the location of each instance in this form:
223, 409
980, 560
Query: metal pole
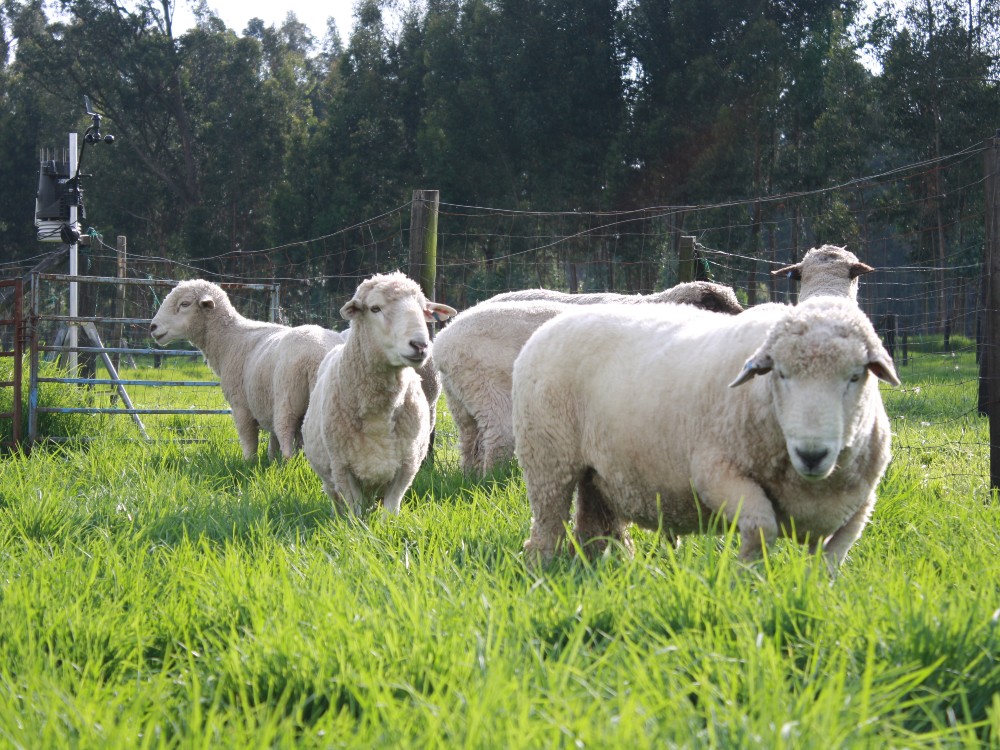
33, 364
18, 357
74, 302
275, 313
991, 338
121, 249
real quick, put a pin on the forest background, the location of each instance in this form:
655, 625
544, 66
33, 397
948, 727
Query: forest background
230, 142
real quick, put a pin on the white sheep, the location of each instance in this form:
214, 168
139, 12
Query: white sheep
430, 383
266, 370
704, 294
475, 355
826, 270
636, 406
367, 427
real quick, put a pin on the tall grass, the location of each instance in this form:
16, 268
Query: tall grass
171, 595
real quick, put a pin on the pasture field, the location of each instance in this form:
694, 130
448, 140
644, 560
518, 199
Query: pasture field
168, 595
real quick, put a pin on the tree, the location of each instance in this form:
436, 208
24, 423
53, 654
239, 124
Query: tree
939, 91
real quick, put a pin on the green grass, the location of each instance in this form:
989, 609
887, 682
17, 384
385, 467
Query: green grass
170, 595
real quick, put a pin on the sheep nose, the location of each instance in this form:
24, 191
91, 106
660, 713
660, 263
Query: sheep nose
152, 327
812, 458
420, 347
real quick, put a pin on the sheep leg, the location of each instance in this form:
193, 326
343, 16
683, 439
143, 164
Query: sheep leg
393, 495
595, 523
496, 436
349, 488
248, 431
723, 489
842, 539
287, 426
551, 499
468, 436
273, 446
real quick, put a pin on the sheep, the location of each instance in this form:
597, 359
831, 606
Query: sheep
430, 383
266, 370
826, 270
632, 404
705, 294
367, 427
475, 355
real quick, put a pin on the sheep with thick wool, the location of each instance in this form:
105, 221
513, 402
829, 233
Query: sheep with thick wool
666, 415
266, 370
707, 295
826, 270
430, 383
475, 356
367, 428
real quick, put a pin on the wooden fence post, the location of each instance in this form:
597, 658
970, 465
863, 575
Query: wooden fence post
423, 258
990, 357
685, 260
423, 239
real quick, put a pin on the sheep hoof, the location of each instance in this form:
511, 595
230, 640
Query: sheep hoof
537, 555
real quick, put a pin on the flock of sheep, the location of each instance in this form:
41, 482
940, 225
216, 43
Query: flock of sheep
665, 410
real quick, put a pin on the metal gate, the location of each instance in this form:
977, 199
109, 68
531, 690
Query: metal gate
46, 340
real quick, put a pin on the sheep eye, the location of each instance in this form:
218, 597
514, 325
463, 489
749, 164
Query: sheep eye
855, 377
185, 304
375, 308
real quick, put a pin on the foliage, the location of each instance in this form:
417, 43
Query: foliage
231, 142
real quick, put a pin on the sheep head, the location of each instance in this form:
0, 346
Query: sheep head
391, 311
827, 270
823, 358
182, 315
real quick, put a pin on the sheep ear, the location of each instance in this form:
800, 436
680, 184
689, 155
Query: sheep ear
759, 364
352, 309
859, 268
792, 272
436, 312
206, 303
880, 365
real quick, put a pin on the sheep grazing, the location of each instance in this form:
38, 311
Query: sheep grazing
475, 355
367, 427
266, 370
639, 406
704, 294
826, 270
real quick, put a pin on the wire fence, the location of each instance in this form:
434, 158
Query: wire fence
920, 226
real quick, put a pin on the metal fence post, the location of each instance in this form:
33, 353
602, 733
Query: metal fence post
990, 359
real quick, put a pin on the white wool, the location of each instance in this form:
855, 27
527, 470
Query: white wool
475, 355
704, 294
266, 370
635, 405
367, 428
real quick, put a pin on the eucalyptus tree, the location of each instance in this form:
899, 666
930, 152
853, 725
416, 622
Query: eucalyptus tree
18, 154
940, 92
202, 119
726, 100
362, 165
